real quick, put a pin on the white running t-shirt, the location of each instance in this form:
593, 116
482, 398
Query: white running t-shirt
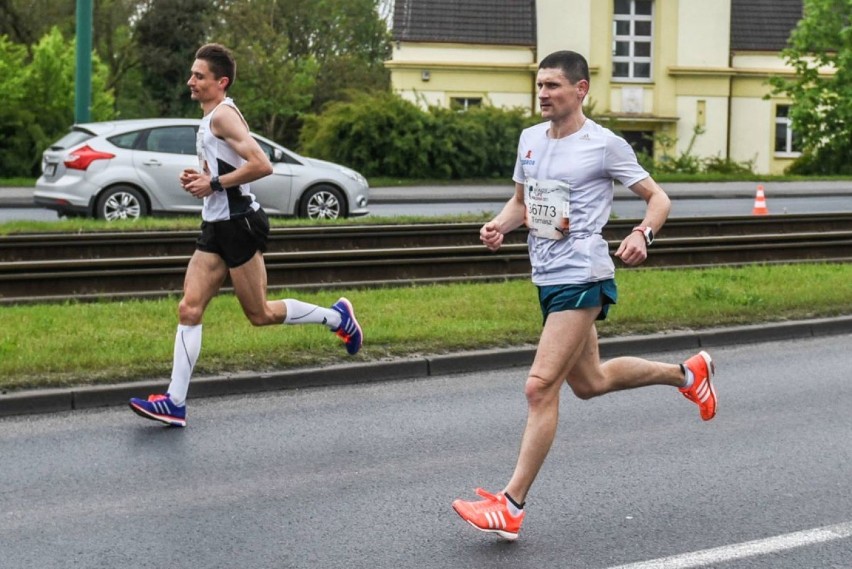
583, 167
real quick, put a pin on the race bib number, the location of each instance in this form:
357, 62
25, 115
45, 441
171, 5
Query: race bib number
547, 204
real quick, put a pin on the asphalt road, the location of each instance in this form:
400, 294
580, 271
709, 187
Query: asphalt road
689, 200
363, 476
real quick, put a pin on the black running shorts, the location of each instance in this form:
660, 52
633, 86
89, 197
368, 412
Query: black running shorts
235, 240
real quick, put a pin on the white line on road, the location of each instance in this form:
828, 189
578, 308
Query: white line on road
747, 549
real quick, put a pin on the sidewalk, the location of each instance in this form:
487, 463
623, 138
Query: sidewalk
679, 190
684, 343
16, 197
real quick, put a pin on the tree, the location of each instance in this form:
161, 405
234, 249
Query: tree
271, 87
15, 118
821, 110
49, 80
38, 99
349, 39
297, 55
113, 30
167, 36
113, 34
294, 57
25, 21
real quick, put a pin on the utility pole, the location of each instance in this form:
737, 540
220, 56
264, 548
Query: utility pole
83, 78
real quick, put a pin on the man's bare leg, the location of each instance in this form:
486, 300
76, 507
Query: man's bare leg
562, 343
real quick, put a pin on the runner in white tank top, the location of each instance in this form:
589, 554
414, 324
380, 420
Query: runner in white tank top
217, 158
234, 233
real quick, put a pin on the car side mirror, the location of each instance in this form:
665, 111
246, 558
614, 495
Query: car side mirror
277, 155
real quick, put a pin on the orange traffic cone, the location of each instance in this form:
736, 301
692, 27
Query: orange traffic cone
759, 202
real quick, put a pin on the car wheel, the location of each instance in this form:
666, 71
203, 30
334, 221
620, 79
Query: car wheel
121, 202
322, 202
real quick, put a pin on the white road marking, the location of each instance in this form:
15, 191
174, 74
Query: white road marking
747, 549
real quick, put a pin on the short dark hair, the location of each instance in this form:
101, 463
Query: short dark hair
220, 60
573, 65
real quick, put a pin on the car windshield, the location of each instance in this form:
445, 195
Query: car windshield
76, 136
270, 153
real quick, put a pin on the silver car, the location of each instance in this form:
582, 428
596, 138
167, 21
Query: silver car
129, 168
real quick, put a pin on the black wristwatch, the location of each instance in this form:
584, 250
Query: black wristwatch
216, 184
647, 232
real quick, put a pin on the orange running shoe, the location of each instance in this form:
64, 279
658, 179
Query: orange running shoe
701, 392
490, 515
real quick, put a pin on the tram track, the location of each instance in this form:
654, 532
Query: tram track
52, 267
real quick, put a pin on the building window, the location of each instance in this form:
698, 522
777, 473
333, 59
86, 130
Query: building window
786, 141
642, 141
632, 37
464, 103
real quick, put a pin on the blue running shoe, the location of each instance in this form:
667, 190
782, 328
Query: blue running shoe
349, 330
160, 408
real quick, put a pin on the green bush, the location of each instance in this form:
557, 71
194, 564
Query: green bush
823, 162
376, 134
385, 135
502, 129
458, 146
686, 162
719, 165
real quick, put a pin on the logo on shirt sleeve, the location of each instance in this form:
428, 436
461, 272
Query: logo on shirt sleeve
527, 160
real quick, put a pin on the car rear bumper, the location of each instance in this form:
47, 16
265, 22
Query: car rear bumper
65, 195
59, 201
60, 205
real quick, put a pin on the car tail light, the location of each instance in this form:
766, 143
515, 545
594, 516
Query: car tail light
82, 157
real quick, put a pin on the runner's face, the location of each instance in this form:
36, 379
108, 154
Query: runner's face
203, 86
557, 96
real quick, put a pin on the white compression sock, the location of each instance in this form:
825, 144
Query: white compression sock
688, 376
187, 348
299, 312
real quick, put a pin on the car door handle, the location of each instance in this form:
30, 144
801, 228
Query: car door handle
152, 163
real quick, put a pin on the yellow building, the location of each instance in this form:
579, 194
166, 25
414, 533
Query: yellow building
659, 67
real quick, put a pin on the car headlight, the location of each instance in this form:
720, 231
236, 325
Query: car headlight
354, 175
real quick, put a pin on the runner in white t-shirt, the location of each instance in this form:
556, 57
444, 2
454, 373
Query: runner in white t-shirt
563, 192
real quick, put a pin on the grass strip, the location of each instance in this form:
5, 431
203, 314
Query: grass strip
192, 223
53, 345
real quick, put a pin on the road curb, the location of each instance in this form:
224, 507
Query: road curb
68, 399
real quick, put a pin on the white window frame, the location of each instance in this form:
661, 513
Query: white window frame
787, 124
631, 39
465, 103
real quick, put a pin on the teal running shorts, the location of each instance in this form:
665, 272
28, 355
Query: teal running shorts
557, 298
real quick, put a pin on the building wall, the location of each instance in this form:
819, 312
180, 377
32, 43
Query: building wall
696, 82
698, 76
753, 115
566, 24
751, 142
703, 33
434, 73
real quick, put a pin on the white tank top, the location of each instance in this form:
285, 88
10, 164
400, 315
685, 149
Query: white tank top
217, 158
